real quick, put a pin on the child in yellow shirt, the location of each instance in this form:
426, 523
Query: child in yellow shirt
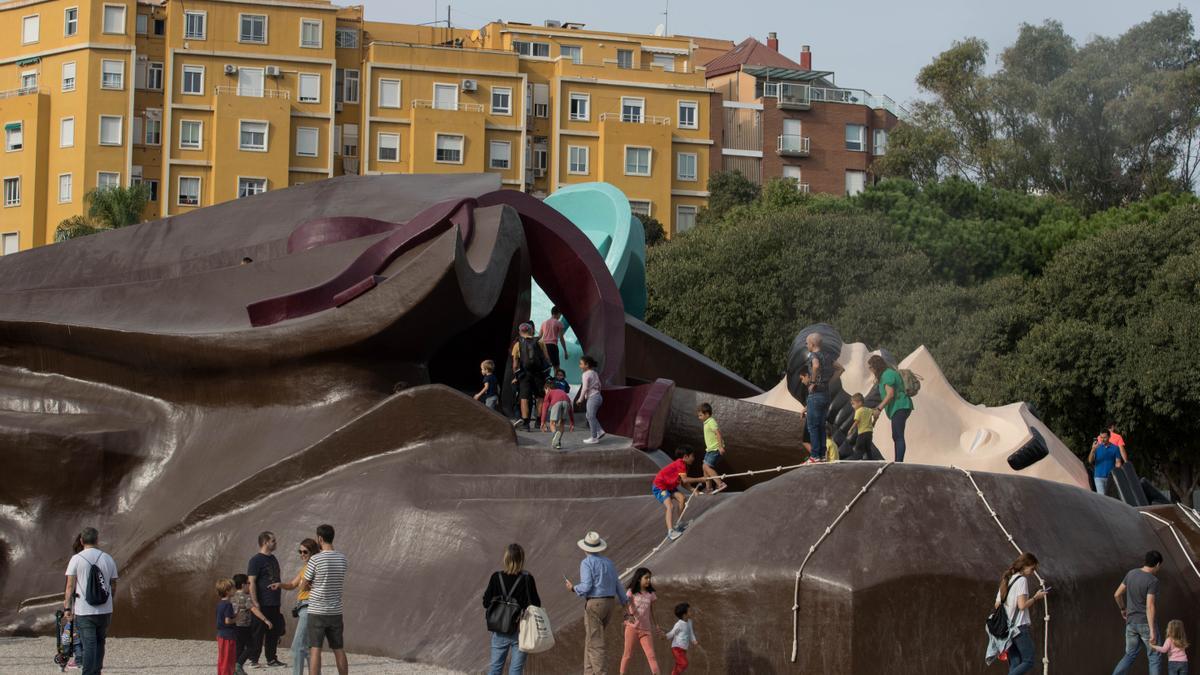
862, 428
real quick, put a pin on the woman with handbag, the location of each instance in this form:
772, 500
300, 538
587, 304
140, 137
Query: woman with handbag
509, 592
308, 548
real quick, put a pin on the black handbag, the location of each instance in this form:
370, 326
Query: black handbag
503, 613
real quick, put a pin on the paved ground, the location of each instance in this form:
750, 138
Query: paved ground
137, 656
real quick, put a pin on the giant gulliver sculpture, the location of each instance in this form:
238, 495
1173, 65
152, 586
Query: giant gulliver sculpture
155, 387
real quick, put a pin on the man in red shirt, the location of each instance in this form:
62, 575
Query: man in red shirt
666, 487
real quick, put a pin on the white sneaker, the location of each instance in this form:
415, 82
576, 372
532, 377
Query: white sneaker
674, 534
602, 435
591, 441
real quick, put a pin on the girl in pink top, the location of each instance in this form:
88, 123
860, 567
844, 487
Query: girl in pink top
1175, 647
639, 619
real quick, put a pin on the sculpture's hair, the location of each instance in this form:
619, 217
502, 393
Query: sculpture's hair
514, 559
1024, 560
877, 365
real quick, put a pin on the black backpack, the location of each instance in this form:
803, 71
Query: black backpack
503, 612
997, 621
97, 593
533, 360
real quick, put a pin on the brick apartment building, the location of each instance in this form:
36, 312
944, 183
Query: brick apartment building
780, 118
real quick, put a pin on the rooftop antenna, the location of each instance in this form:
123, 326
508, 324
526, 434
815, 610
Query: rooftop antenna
666, 19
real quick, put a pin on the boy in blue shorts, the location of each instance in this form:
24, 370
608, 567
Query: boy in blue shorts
714, 446
667, 487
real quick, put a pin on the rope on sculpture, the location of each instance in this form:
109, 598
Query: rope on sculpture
1008, 535
813, 549
1190, 513
1179, 541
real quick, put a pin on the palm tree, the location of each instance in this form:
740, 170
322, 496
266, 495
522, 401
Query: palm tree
74, 227
115, 207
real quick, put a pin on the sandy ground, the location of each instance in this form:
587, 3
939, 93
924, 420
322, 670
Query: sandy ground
136, 656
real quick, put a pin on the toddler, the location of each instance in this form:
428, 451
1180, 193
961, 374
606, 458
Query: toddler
682, 636
1175, 646
226, 637
490, 393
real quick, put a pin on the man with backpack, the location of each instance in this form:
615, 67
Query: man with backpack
88, 600
530, 361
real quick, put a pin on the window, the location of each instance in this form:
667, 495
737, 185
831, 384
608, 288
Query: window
637, 161
29, 80
310, 88
189, 134
345, 38
664, 61
141, 24
70, 21
153, 127
31, 28
501, 101
12, 191
307, 141
66, 132
631, 109
640, 207
68, 76
687, 115
350, 92
541, 100
685, 218
685, 163
189, 190
252, 136
531, 48
193, 80
539, 159
114, 19
152, 188
253, 29
879, 142
14, 136
248, 187
108, 179
499, 154
160, 29
793, 173
389, 147
577, 159
110, 130
154, 77
350, 140
9, 243
389, 93
250, 82
856, 137
541, 110
112, 74
624, 58
580, 105
195, 25
310, 33
64, 188
449, 149
856, 182
445, 96
573, 52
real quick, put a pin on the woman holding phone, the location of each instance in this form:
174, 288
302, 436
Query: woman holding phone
1014, 593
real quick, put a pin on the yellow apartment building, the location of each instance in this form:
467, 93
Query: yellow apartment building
211, 100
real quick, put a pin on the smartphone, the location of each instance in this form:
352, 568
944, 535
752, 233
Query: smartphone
1047, 589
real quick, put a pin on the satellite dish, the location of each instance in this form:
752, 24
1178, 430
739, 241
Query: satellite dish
475, 35
660, 30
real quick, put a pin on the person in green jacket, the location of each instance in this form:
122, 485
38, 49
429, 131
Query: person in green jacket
896, 401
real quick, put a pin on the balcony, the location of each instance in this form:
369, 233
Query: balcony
802, 96
634, 119
793, 145
795, 96
23, 91
233, 89
464, 107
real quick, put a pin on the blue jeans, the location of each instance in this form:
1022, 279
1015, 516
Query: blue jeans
899, 422
1137, 636
593, 410
1022, 655
300, 644
502, 646
1177, 668
1101, 484
817, 409
93, 630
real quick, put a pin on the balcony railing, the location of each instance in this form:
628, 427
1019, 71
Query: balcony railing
464, 107
795, 96
802, 96
23, 91
634, 119
251, 92
792, 144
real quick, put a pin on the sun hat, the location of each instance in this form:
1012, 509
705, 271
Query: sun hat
592, 543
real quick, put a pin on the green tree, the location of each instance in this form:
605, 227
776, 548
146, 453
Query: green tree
114, 207
75, 227
727, 189
655, 233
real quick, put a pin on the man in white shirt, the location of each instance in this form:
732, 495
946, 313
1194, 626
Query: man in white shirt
91, 620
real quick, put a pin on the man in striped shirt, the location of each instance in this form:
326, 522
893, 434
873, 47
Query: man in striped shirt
324, 579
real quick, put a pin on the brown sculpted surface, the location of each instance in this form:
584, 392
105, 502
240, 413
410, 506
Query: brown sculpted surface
136, 396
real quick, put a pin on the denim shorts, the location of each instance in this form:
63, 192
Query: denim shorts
322, 626
660, 494
712, 457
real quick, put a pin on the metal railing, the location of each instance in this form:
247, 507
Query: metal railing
795, 95
803, 95
634, 119
793, 144
464, 107
22, 91
238, 90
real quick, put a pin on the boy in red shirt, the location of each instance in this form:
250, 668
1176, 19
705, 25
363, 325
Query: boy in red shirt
666, 487
558, 403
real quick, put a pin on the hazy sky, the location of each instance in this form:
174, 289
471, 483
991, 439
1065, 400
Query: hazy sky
872, 44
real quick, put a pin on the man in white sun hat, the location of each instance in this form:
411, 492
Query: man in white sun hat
600, 586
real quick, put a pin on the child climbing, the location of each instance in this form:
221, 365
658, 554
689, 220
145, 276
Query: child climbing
556, 409
667, 484
714, 446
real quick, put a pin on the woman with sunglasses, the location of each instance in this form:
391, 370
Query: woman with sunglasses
308, 548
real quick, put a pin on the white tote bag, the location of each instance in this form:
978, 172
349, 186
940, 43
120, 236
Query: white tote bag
536, 635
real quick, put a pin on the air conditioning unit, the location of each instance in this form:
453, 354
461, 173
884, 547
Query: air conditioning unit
552, 23
539, 173
271, 71
230, 69
470, 85
337, 107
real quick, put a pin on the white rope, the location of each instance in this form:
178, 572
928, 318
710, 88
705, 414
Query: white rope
1190, 513
1177, 539
1008, 535
813, 549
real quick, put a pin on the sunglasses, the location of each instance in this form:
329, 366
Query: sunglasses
302, 552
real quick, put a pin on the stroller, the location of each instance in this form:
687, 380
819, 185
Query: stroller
64, 641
